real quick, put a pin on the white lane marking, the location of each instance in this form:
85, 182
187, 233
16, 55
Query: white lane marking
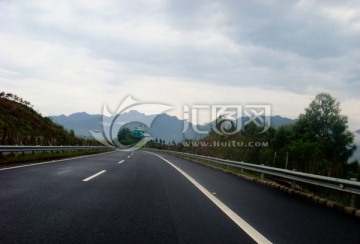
121, 161
129, 156
93, 176
254, 234
53, 161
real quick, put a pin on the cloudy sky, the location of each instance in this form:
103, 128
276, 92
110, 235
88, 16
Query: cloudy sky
72, 56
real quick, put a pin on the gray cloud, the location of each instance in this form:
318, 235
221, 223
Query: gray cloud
296, 46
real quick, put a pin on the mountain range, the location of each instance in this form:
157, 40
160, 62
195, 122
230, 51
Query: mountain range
163, 126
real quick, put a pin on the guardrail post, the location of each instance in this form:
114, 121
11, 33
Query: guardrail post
293, 185
353, 201
262, 174
353, 197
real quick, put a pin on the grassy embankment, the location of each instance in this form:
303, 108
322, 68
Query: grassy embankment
20, 124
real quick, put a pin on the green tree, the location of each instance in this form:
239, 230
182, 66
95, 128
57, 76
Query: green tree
125, 137
9, 95
251, 129
326, 129
282, 137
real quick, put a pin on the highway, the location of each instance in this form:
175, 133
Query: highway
142, 197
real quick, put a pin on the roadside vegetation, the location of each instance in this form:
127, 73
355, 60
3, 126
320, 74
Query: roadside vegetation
318, 143
23, 158
126, 137
20, 124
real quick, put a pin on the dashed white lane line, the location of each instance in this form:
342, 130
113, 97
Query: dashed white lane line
121, 161
129, 156
254, 234
95, 175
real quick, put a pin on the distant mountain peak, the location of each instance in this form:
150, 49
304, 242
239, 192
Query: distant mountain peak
79, 113
133, 112
164, 126
82, 116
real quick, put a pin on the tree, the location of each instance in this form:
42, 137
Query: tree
125, 137
326, 129
9, 95
282, 137
251, 130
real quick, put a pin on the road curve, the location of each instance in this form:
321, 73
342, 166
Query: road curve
143, 198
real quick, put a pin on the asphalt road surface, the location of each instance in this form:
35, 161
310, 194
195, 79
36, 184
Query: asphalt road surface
140, 197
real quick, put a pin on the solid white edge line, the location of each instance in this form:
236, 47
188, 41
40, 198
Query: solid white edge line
254, 234
53, 161
121, 161
93, 176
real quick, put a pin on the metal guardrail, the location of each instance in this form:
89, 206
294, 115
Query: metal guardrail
317, 180
7, 148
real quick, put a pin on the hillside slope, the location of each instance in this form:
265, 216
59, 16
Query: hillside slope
20, 124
